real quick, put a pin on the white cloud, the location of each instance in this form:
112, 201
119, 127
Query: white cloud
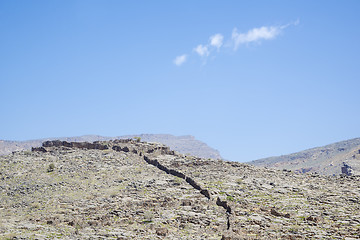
202, 50
216, 40
255, 34
237, 39
179, 60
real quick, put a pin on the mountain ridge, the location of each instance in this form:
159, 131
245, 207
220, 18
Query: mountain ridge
326, 159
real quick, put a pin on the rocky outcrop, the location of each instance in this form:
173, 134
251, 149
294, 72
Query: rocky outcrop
183, 144
38, 149
80, 145
165, 150
176, 173
224, 205
276, 213
346, 169
195, 185
118, 148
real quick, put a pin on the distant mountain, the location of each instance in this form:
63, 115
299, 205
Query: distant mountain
326, 160
182, 144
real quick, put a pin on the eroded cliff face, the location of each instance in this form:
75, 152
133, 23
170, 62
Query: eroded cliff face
126, 189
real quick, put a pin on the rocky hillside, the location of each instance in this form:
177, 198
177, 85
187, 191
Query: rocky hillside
183, 144
126, 189
326, 160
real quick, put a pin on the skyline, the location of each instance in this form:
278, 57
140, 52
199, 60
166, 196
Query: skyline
250, 79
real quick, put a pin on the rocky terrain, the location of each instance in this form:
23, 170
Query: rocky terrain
183, 144
127, 189
327, 160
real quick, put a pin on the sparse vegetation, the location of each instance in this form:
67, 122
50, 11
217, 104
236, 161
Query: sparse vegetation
51, 167
111, 194
230, 198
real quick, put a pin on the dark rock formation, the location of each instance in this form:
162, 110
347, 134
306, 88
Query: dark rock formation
119, 149
276, 213
38, 149
192, 183
80, 145
205, 192
55, 143
346, 169
224, 205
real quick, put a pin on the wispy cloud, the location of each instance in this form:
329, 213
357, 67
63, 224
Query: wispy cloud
216, 40
254, 35
179, 60
202, 50
258, 34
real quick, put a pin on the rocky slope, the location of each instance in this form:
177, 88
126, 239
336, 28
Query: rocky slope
125, 189
183, 144
326, 160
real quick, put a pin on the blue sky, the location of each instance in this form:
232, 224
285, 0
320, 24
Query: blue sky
250, 78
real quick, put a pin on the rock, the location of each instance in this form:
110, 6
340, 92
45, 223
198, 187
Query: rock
225, 237
186, 202
313, 219
223, 204
278, 214
161, 231
275, 213
346, 169
38, 149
